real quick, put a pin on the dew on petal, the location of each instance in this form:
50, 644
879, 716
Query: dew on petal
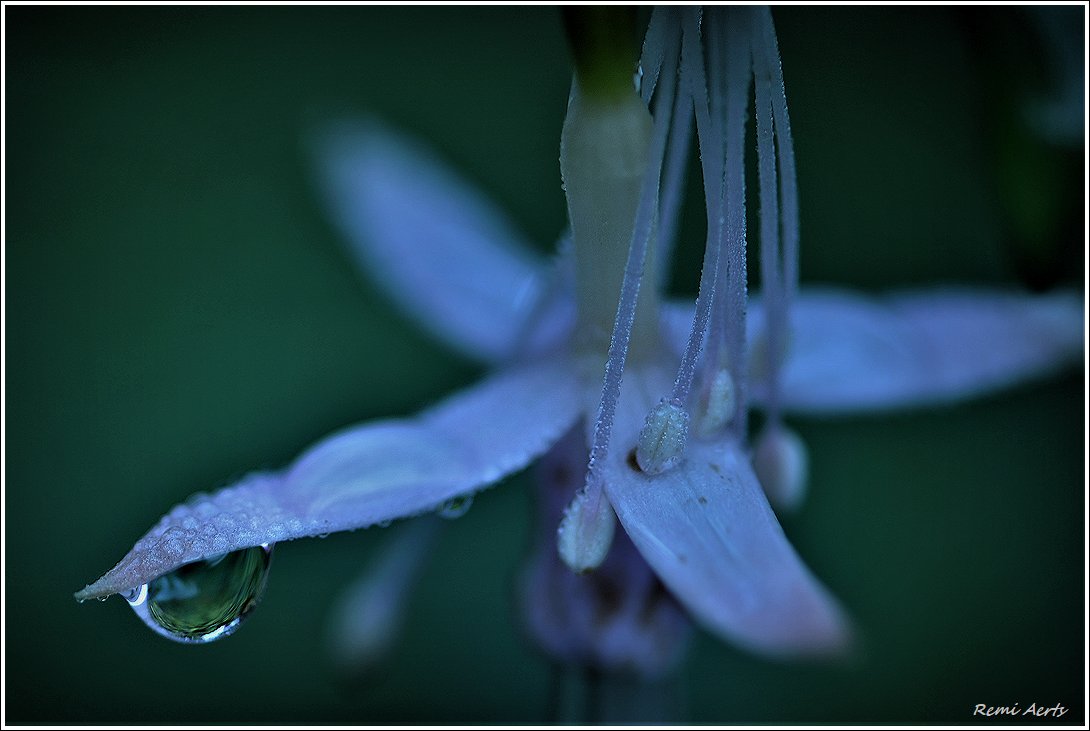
456, 507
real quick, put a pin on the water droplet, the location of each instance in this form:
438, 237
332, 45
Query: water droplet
456, 507
204, 600
196, 499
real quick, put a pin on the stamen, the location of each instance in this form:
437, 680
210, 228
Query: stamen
789, 191
779, 264
781, 464
771, 286
666, 432
591, 498
726, 204
717, 406
653, 52
586, 531
693, 70
663, 438
673, 181
633, 270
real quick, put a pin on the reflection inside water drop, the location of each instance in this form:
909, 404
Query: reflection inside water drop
204, 600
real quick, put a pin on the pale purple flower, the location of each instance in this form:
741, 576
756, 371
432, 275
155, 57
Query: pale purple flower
665, 429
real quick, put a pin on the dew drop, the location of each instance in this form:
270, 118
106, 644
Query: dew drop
204, 600
456, 507
196, 499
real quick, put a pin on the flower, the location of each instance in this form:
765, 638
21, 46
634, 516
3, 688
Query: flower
668, 453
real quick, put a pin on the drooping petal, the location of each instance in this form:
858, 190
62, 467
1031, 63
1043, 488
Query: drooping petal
850, 352
854, 353
441, 251
707, 530
368, 474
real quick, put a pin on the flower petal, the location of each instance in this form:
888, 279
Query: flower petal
378, 472
372, 473
707, 530
444, 254
850, 352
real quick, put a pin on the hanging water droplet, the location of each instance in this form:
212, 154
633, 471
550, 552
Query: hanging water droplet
456, 507
204, 600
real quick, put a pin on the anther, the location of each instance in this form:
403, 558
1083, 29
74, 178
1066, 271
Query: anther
781, 463
718, 408
586, 530
663, 438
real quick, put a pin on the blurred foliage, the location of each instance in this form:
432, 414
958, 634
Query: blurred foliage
180, 311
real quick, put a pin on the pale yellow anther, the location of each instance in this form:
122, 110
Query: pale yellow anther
781, 463
718, 407
586, 531
663, 438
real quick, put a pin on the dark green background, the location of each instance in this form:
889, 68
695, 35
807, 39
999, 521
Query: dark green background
180, 311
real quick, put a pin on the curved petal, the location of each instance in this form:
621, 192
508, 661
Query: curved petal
442, 252
707, 530
368, 474
378, 472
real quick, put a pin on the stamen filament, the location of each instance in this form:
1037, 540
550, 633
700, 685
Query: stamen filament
696, 91
591, 496
673, 181
726, 329
771, 261
769, 72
